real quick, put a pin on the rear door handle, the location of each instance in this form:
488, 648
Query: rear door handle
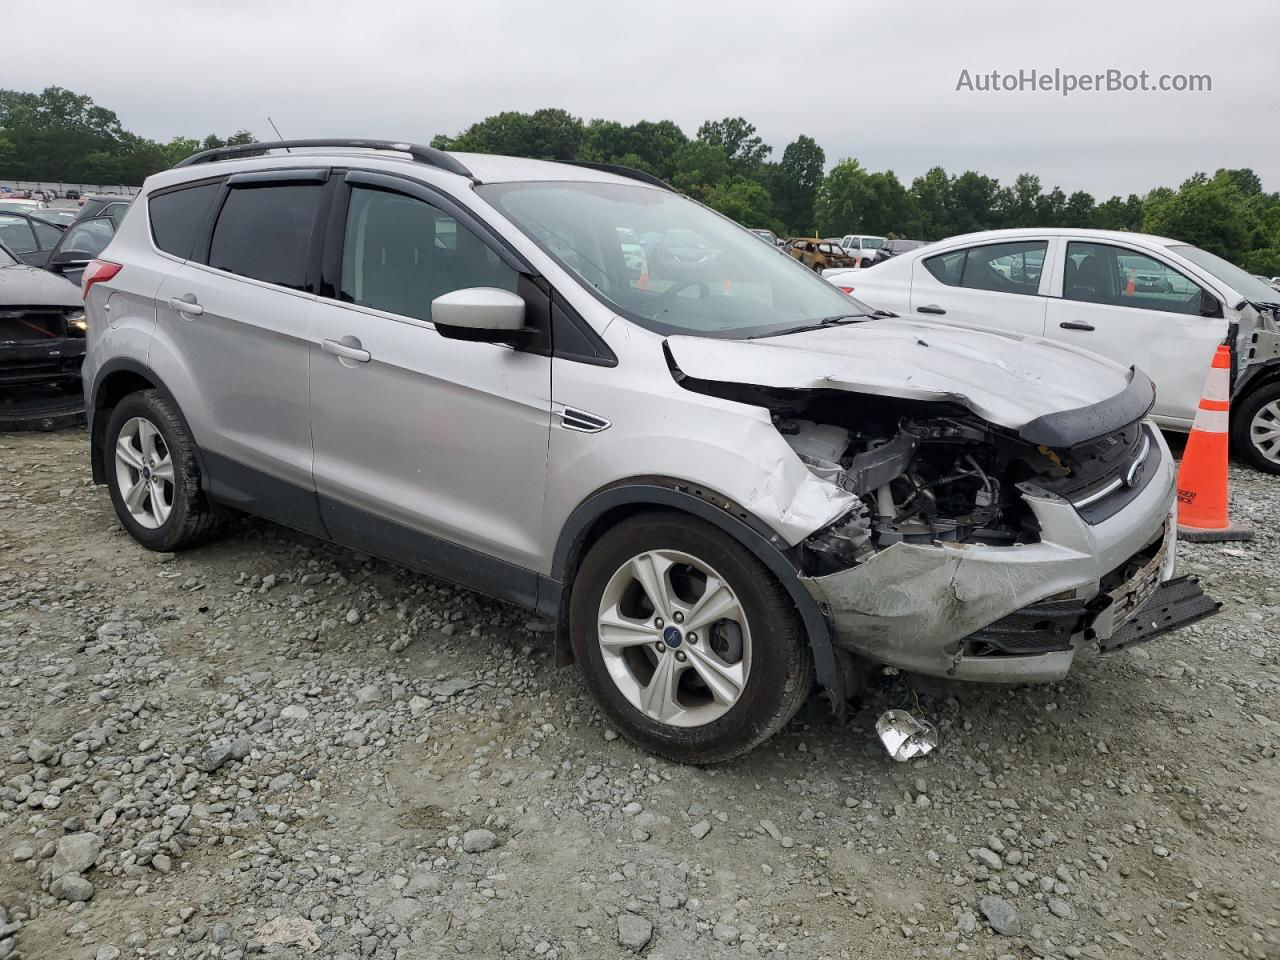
1076, 325
186, 304
345, 351
932, 308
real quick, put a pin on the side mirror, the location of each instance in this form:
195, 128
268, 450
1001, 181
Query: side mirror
1209, 305
486, 314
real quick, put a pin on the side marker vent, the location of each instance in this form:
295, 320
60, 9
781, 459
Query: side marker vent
582, 421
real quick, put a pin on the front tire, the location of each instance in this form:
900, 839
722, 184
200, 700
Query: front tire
1255, 428
691, 648
153, 475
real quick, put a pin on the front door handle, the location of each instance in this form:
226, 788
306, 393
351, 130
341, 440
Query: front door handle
1076, 325
186, 304
931, 308
346, 349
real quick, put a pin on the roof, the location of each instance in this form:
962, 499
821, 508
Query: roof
1031, 232
386, 155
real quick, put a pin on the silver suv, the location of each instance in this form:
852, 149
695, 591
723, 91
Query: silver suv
721, 476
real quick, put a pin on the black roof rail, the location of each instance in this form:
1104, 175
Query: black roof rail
630, 173
428, 155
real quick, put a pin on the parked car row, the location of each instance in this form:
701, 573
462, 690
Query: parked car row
576, 390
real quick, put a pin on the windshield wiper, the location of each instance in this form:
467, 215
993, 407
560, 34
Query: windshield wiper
834, 321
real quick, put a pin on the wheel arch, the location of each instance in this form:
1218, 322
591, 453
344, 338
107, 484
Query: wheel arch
606, 507
117, 379
1254, 378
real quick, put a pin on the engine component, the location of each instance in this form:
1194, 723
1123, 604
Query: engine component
819, 445
841, 545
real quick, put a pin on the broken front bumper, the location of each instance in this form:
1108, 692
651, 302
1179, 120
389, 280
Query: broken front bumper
1016, 613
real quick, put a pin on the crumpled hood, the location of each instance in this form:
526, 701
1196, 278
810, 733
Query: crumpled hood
1048, 392
24, 286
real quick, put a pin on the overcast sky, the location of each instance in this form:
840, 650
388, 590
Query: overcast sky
872, 79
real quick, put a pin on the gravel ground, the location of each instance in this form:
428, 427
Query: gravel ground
275, 746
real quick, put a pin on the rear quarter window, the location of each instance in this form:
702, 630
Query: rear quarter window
178, 215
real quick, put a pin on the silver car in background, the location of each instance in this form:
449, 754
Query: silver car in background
719, 475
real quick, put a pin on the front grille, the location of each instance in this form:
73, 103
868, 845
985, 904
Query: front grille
27, 326
1044, 627
1103, 475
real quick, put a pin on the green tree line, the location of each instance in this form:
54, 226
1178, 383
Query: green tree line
58, 135
61, 135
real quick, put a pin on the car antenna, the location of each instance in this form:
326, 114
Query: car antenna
278, 136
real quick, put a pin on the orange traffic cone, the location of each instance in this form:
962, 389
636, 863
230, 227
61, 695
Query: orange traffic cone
643, 282
1131, 287
1202, 476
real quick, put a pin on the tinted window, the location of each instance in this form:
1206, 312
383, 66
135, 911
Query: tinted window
947, 267
16, 235
47, 235
1101, 273
1005, 267
87, 239
1002, 267
399, 254
265, 233
116, 212
176, 217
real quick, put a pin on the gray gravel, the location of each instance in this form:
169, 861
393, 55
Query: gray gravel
276, 746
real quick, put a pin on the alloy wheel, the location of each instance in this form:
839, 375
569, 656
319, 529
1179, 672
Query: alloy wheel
1264, 431
144, 473
674, 638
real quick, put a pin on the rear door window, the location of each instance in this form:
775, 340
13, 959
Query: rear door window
1006, 267
16, 234
264, 232
178, 216
1014, 267
47, 235
947, 268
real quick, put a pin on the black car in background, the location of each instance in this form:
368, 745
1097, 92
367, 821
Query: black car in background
42, 340
111, 205
894, 247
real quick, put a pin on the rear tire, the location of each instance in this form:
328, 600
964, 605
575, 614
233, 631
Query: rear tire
730, 682
1251, 424
153, 475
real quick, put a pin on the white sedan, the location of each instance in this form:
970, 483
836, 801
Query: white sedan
1144, 301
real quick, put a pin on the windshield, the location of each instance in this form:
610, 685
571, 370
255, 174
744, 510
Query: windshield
1245, 284
6, 259
700, 274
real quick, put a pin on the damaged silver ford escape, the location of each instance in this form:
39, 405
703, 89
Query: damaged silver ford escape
571, 388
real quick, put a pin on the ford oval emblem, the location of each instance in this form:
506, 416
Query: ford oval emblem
1134, 476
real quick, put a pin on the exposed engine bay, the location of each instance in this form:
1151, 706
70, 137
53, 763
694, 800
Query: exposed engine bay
928, 472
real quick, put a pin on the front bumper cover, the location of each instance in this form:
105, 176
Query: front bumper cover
961, 610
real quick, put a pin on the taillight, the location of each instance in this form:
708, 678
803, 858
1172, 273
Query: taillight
96, 271
844, 288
